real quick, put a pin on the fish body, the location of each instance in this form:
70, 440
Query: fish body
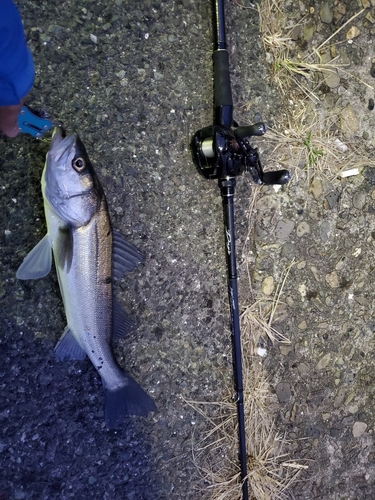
88, 255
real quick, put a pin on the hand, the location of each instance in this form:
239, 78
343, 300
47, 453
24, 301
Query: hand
8, 119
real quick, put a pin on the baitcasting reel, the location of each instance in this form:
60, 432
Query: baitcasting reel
221, 152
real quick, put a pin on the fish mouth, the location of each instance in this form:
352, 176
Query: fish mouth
60, 145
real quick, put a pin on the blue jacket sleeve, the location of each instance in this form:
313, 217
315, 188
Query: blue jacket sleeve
16, 63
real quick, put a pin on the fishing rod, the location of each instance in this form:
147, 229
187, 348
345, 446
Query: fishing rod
222, 151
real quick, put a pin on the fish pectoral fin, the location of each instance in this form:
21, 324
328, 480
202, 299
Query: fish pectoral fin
38, 261
125, 256
130, 399
122, 324
68, 348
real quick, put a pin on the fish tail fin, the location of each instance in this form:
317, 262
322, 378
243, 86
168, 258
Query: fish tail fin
130, 399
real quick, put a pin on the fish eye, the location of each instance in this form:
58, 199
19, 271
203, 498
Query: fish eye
79, 164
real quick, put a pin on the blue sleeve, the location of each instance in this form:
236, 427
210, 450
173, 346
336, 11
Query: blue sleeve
16, 63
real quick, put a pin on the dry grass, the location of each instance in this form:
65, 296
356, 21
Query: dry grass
290, 68
308, 144
269, 470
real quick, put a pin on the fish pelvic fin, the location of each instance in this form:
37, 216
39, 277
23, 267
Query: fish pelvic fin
68, 348
130, 399
38, 261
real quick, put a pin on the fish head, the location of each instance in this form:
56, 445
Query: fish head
69, 182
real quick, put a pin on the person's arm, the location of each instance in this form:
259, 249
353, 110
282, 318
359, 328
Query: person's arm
16, 68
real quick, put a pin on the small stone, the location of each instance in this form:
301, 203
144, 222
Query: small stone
283, 392
324, 230
285, 349
308, 32
326, 15
331, 75
316, 188
347, 420
324, 361
284, 229
288, 251
303, 369
268, 285
339, 398
353, 409
358, 429
341, 9
332, 279
349, 122
296, 33
359, 200
302, 325
332, 199
121, 74
302, 229
313, 431
340, 264
352, 33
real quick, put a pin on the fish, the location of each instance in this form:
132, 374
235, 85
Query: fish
89, 255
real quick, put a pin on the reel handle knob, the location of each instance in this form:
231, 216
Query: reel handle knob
279, 177
246, 131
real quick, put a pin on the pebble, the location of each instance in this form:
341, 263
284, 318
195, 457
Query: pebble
353, 409
332, 279
268, 285
330, 74
359, 200
308, 32
332, 199
302, 229
323, 362
121, 74
283, 392
339, 398
284, 229
352, 33
347, 420
358, 429
324, 230
288, 251
326, 14
303, 369
285, 349
316, 188
349, 122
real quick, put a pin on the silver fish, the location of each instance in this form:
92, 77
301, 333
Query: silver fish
88, 255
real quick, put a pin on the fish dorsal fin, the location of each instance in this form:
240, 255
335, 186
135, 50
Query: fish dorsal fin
125, 256
68, 348
38, 261
122, 324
